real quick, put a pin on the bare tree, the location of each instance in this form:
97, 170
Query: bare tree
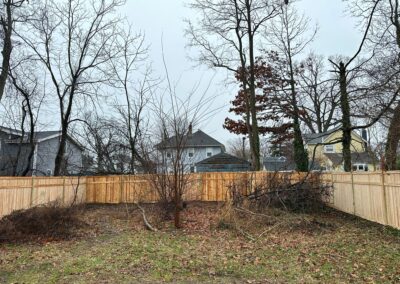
105, 143
29, 88
239, 147
175, 118
382, 35
74, 40
227, 36
291, 34
136, 95
344, 71
318, 95
7, 22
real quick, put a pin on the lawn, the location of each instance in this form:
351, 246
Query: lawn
114, 248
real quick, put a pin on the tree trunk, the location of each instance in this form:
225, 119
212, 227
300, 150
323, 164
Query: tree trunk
59, 168
346, 123
254, 139
393, 139
300, 153
7, 46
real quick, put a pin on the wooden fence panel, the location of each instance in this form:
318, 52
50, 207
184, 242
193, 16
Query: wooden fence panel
392, 187
343, 193
26, 192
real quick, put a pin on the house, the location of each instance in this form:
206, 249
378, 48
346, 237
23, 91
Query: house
15, 151
195, 147
222, 162
330, 156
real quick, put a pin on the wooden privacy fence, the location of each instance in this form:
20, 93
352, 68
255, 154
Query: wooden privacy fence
373, 195
25, 192
199, 187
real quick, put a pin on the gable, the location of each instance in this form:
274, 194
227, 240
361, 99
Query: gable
339, 134
195, 140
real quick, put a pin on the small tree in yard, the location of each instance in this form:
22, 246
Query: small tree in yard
174, 129
171, 180
173, 162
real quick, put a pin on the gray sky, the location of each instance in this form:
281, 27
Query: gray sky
164, 18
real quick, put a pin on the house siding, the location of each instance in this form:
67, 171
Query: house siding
199, 154
8, 155
357, 146
46, 156
43, 159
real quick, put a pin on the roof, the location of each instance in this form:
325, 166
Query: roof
197, 139
356, 158
40, 136
223, 159
278, 164
44, 135
317, 138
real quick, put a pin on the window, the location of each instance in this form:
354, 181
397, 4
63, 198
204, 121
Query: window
360, 167
209, 152
168, 155
191, 153
329, 149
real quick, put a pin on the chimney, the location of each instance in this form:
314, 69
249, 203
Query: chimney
190, 129
364, 136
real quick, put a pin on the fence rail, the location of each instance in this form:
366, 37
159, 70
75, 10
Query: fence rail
374, 195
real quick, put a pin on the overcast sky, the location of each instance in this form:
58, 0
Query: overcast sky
164, 18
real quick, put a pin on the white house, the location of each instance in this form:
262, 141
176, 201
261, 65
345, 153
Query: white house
193, 148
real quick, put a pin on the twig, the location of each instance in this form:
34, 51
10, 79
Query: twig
146, 223
244, 233
241, 209
270, 229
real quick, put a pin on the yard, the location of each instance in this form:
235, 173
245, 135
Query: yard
113, 247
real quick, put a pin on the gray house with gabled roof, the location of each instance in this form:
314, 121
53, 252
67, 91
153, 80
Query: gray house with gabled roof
42, 162
195, 147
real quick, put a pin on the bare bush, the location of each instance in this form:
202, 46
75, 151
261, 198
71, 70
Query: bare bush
280, 190
42, 223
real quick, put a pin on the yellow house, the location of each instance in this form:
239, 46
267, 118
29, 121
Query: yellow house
326, 149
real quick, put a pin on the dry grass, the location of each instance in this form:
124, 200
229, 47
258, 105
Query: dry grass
278, 247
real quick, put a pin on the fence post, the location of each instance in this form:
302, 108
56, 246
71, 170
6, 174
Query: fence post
121, 187
63, 191
32, 189
354, 195
385, 209
333, 189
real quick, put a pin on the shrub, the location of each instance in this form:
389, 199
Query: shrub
47, 222
279, 190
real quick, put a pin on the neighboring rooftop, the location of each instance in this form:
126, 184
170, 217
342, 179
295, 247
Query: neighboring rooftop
356, 158
197, 139
278, 164
223, 162
317, 138
39, 136
223, 159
